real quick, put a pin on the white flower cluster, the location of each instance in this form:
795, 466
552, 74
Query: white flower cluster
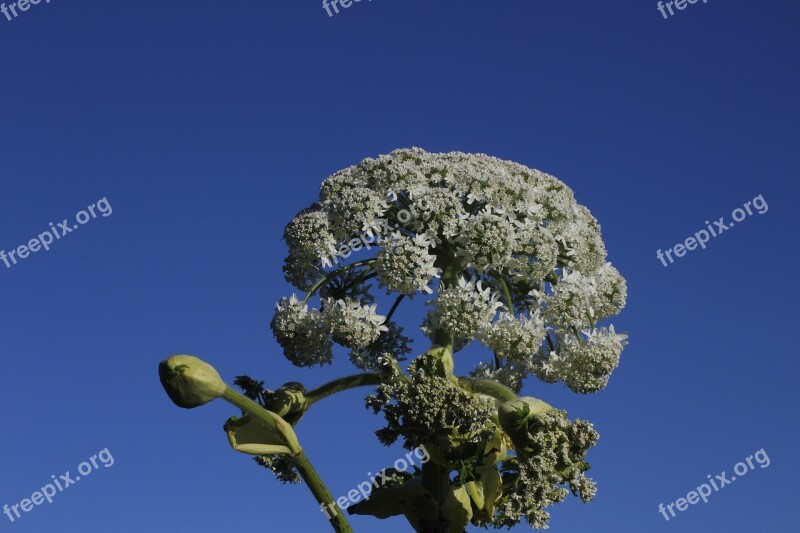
404, 264
509, 374
301, 333
513, 338
305, 334
308, 234
351, 324
537, 254
464, 309
579, 300
585, 362
486, 241
497, 232
351, 210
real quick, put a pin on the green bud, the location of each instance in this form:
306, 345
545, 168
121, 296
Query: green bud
289, 402
513, 416
189, 381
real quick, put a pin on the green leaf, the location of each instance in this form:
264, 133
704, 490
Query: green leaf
250, 436
391, 500
486, 490
457, 509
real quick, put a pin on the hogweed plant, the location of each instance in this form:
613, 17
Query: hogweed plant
506, 257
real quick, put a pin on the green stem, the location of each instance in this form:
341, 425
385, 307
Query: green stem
338, 385
298, 457
550, 342
394, 307
450, 277
437, 483
506, 293
321, 493
488, 387
268, 418
362, 279
509, 304
330, 275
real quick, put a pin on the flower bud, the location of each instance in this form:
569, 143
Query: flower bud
190, 382
289, 402
513, 416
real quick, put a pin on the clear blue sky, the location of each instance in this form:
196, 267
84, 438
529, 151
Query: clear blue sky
208, 125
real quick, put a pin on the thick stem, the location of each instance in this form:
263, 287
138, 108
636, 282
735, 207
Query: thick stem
298, 457
338, 385
321, 493
268, 418
443, 341
488, 387
437, 483
449, 276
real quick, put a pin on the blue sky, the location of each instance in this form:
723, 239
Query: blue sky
208, 125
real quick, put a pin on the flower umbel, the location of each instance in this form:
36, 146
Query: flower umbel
302, 333
504, 255
502, 237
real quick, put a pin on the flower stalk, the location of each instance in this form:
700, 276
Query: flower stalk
191, 382
339, 385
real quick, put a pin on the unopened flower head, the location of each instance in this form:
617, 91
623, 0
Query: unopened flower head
430, 409
550, 455
190, 382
